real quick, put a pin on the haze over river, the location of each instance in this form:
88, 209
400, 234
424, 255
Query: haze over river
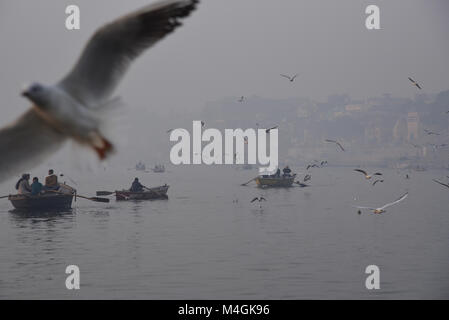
202, 244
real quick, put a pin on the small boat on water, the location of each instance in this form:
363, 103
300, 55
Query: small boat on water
148, 194
141, 166
51, 201
267, 181
159, 168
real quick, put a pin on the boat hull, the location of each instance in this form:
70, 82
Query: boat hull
151, 194
41, 203
271, 182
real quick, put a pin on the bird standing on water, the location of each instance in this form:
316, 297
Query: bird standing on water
70, 109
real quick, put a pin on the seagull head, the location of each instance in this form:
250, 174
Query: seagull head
37, 93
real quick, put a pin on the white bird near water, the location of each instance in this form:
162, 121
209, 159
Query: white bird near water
381, 210
70, 109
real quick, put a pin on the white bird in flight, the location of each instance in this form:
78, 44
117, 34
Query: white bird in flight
70, 109
381, 210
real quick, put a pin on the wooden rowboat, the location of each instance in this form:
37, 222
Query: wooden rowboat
47, 201
148, 194
274, 182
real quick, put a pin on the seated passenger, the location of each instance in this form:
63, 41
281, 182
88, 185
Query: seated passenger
23, 185
136, 186
36, 187
51, 181
286, 171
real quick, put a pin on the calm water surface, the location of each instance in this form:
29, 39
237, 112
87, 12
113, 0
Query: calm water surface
200, 244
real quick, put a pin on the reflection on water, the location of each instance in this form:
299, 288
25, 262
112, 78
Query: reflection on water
209, 241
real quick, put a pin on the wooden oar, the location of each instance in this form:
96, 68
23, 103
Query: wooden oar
95, 199
244, 184
105, 193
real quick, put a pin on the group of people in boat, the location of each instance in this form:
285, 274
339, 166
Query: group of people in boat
23, 185
286, 173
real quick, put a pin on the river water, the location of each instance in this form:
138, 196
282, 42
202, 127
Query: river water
209, 242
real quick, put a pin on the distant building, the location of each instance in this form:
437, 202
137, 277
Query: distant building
412, 126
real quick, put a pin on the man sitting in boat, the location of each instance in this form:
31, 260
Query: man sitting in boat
36, 187
286, 172
23, 185
51, 181
136, 186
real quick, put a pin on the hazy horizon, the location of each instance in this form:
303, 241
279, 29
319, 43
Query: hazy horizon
237, 48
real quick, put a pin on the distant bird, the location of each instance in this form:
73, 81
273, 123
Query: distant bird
431, 132
290, 78
268, 130
323, 163
241, 99
337, 143
443, 184
381, 210
368, 176
415, 83
71, 109
311, 166
307, 177
407, 176
374, 183
260, 199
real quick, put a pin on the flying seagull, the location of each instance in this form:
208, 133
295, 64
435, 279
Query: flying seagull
290, 78
311, 166
268, 130
337, 143
260, 199
70, 109
241, 99
416, 84
307, 177
374, 183
368, 176
431, 132
443, 184
381, 210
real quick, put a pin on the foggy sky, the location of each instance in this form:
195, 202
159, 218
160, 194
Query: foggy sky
238, 47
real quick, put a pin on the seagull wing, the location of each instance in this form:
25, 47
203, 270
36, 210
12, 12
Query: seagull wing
362, 171
397, 201
25, 143
413, 81
262, 199
377, 174
114, 46
443, 184
285, 76
255, 199
295, 76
